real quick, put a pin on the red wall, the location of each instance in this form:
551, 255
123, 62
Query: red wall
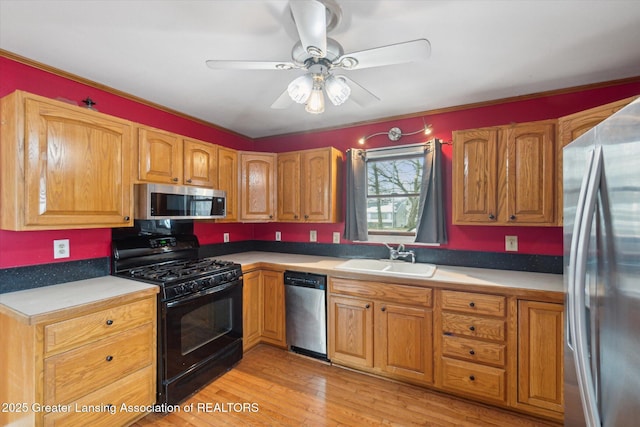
36, 247
531, 240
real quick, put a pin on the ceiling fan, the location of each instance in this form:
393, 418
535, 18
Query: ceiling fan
320, 56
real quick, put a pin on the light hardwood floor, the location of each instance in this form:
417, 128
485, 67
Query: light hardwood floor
272, 387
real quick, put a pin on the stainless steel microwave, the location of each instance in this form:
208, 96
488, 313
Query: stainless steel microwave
161, 201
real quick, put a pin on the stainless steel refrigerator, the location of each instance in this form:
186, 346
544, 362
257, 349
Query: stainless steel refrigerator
602, 273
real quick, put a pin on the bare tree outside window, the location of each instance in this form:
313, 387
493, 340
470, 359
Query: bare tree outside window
393, 194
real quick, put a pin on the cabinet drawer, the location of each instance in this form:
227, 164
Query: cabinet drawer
103, 407
403, 294
474, 350
472, 326
74, 332
72, 374
469, 302
472, 378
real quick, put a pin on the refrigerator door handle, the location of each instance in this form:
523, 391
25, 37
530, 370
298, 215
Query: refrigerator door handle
571, 291
579, 329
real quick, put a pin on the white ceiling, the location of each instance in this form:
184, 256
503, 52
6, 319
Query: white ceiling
481, 50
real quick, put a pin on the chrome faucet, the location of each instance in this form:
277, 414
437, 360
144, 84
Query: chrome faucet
400, 253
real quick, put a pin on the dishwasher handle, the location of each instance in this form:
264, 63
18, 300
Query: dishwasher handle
306, 280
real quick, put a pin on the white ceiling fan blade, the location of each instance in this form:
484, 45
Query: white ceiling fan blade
359, 94
250, 65
400, 53
310, 17
283, 101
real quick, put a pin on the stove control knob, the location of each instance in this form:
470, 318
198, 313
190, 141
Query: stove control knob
230, 276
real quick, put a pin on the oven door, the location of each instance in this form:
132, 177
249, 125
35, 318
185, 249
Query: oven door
197, 327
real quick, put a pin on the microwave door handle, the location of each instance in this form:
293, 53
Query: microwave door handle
585, 377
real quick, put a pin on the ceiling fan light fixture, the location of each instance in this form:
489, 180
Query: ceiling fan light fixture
337, 89
315, 103
300, 89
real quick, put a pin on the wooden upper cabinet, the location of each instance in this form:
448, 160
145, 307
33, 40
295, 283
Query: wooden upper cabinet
200, 163
475, 176
257, 186
574, 125
320, 178
504, 175
159, 156
309, 185
289, 186
530, 173
62, 166
228, 180
168, 158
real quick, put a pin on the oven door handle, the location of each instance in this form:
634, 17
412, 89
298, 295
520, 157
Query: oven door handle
190, 298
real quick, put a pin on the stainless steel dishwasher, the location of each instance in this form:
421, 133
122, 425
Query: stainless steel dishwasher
306, 313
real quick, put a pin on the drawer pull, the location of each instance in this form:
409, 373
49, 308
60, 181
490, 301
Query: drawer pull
367, 306
472, 328
109, 322
472, 378
383, 308
109, 358
471, 352
472, 304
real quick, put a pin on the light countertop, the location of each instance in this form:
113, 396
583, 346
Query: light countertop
459, 277
32, 305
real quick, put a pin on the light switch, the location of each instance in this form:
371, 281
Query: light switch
511, 243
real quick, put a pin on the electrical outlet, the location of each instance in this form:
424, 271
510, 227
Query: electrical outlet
278, 236
336, 237
511, 243
313, 236
61, 248
225, 237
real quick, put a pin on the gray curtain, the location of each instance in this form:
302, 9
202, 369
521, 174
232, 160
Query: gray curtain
355, 223
431, 220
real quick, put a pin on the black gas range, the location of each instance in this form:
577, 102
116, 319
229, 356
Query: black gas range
199, 309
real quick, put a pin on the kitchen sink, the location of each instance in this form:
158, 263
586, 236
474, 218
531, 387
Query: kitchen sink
388, 267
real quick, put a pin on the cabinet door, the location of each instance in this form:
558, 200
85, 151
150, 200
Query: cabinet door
159, 156
530, 172
475, 176
404, 337
228, 180
319, 189
76, 172
251, 309
351, 331
273, 322
289, 186
200, 163
571, 127
257, 186
540, 355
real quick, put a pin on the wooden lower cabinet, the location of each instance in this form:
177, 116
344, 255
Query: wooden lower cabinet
390, 334
351, 331
81, 365
404, 341
492, 348
263, 314
273, 321
540, 357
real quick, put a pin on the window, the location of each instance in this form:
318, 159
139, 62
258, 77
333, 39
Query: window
393, 195
394, 177
388, 198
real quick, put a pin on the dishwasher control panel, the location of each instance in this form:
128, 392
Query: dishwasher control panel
308, 280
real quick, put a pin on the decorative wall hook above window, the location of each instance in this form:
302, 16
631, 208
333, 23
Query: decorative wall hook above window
395, 133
